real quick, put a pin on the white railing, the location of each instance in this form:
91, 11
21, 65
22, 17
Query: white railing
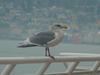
71, 69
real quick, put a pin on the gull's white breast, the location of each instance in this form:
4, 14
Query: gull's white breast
58, 38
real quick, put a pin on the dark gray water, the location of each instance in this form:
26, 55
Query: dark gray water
9, 48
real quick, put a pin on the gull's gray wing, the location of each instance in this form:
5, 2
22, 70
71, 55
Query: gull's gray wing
42, 38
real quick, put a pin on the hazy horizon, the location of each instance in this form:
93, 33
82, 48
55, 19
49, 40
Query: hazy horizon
18, 19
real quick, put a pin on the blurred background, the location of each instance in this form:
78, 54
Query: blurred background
20, 18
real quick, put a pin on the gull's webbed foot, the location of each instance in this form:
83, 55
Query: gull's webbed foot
52, 57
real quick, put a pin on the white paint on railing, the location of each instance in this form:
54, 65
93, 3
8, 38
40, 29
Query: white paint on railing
74, 58
78, 54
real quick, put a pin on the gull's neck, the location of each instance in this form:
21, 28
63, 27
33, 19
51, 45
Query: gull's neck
58, 31
59, 34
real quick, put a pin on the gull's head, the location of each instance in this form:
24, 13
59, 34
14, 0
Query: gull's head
59, 27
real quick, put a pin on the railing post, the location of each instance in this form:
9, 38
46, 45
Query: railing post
72, 67
95, 67
8, 69
43, 69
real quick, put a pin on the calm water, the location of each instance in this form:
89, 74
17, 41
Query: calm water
9, 48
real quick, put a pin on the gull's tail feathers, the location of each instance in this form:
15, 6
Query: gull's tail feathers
25, 44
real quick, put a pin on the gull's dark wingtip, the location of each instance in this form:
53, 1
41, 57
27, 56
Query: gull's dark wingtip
26, 45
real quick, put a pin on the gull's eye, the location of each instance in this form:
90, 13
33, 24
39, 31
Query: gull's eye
58, 25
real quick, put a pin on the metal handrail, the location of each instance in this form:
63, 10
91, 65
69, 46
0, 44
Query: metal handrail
75, 59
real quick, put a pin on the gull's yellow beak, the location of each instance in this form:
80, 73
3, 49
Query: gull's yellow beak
65, 27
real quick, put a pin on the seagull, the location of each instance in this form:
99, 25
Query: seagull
46, 39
